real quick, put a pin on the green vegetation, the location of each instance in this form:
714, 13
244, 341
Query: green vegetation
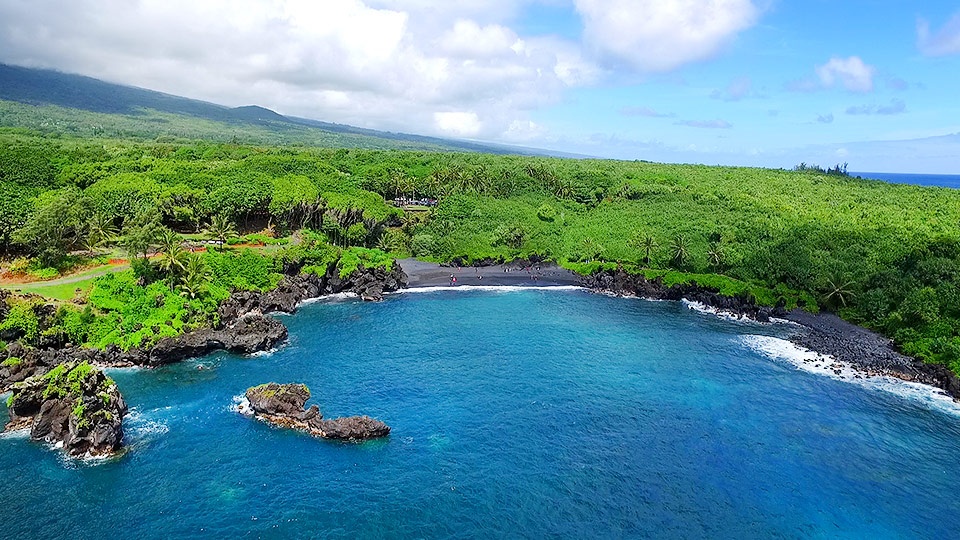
22, 318
11, 362
885, 256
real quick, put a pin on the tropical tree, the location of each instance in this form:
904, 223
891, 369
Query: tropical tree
139, 233
838, 290
679, 251
194, 282
172, 256
53, 227
221, 229
590, 250
100, 230
644, 242
716, 257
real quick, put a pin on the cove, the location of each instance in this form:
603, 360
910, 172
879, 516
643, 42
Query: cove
515, 413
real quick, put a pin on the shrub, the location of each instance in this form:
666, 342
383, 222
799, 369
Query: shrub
546, 212
23, 320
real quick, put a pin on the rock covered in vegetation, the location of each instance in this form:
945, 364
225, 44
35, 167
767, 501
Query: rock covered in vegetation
73, 404
623, 283
283, 405
249, 334
369, 284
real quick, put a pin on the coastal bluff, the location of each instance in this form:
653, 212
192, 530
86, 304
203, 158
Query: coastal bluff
283, 405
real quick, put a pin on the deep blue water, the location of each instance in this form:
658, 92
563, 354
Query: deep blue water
520, 414
939, 180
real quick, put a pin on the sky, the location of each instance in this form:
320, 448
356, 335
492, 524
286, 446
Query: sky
872, 83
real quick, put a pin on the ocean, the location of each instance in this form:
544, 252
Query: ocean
515, 413
937, 180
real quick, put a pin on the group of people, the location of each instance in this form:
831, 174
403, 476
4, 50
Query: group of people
533, 272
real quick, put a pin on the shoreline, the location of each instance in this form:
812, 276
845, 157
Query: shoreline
422, 274
862, 350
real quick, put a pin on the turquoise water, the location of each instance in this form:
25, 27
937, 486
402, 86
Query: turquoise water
519, 414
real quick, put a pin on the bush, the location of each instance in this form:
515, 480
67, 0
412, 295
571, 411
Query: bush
546, 212
423, 245
22, 320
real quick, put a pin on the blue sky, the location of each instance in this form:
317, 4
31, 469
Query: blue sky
742, 82
765, 87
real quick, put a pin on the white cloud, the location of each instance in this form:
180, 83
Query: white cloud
401, 65
942, 43
468, 39
852, 73
660, 35
459, 124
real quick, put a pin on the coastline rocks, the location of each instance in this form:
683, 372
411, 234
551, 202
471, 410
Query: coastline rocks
283, 405
250, 334
621, 283
868, 351
74, 405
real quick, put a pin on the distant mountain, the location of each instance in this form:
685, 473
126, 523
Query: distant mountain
129, 109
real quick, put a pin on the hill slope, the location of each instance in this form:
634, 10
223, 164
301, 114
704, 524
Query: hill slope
54, 102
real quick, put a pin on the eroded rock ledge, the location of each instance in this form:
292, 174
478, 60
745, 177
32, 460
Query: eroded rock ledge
74, 405
621, 283
283, 405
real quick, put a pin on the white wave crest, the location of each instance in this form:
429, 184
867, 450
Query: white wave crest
491, 288
143, 426
22, 433
710, 310
338, 297
240, 404
820, 364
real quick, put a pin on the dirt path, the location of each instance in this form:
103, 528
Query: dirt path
73, 278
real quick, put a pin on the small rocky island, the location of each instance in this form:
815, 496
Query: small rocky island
74, 406
283, 405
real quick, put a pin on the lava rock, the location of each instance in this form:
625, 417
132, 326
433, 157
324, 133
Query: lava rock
278, 399
282, 405
353, 428
73, 404
248, 335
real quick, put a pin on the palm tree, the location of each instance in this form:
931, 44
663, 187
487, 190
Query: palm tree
221, 229
100, 230
171, 252
196, 276
715, 255
591, 249
679, 251
839, 289
643, 242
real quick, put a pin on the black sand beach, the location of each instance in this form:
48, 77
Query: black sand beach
424, 274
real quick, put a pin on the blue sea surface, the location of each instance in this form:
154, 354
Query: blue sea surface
936, 180
535, 413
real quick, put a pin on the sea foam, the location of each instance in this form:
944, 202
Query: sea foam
820, 364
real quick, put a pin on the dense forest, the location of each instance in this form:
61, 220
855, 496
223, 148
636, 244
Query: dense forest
882, 255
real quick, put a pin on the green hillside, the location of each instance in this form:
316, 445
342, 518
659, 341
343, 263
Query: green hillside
884, 255
55, 103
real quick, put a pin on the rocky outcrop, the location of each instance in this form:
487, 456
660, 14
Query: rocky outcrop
368, 283
74, 405
283, 405
621, 283
250, 334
